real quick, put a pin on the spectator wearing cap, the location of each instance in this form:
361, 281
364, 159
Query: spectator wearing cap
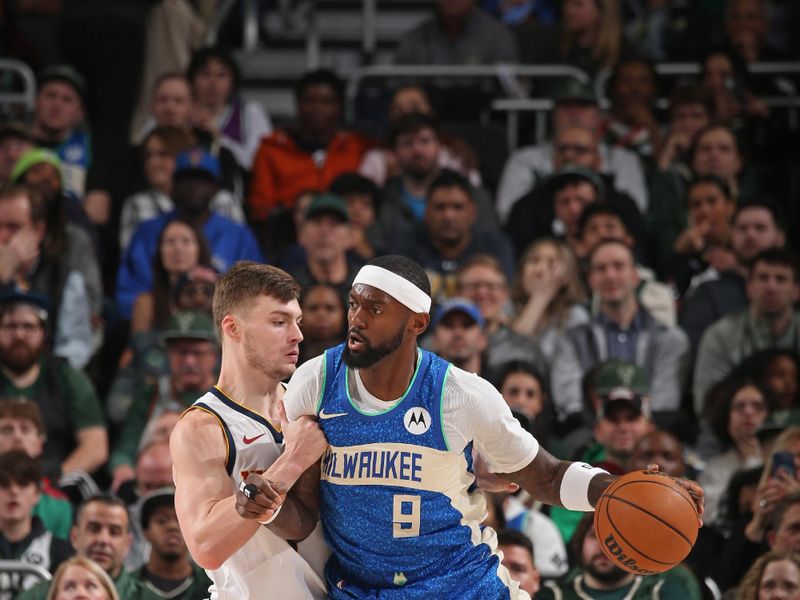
76, 438
195, 182
57, 124
169, 572
52, 268
449, 235
622, 329
554, 208
458, 335
15, 140
23, 537
770, 320
716, 292
159, 151
575, 105
310, 156
326, 235
620, 406
604, 220
192, 353
22, 429
416, 143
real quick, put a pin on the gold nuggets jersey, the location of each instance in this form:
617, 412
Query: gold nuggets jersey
266, 566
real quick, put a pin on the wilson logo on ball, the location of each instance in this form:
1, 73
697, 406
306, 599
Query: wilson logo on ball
629, 563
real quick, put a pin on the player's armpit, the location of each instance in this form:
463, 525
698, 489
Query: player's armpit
204, 501
300, 511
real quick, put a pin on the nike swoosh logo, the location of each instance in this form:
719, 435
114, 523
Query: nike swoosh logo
248, 440
323, 415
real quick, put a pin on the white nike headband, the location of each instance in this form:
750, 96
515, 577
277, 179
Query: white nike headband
399, 288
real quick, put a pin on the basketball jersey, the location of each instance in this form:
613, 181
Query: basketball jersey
400, 510
266, 566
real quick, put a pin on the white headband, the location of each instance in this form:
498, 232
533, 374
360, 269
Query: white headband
399, 288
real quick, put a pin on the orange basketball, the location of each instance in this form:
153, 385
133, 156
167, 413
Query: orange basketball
645, 522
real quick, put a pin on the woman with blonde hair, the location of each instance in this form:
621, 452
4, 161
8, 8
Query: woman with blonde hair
81, 577
548, 294
775, 483
774, 575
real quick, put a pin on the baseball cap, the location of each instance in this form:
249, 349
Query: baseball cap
572, 171
67, 74
17, 295
572, 89
620, 383
778, 421
458, 305
327, 203
34, 156
197, 159
189, 325
162, 497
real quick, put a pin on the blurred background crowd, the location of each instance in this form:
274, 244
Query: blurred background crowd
604, 194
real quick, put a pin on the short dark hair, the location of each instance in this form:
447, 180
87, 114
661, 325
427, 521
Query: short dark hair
205, 55
448, 179
105, 500
410, 123
320, 77
782, 508
245, 281
710, 180
355, 183
601, 208
688, 94
777, 257
772, 207
632, 60
506, 369
510, 537
17, 467
406, 268
22, 408
36, 202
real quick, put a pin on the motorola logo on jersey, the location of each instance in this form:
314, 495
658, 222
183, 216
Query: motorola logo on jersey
417, 420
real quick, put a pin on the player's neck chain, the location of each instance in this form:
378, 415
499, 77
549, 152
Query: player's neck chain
578, 582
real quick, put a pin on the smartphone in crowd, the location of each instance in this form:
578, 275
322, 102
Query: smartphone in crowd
783, 461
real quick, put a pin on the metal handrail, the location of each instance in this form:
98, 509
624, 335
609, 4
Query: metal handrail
17, 566
28, 95
499, 71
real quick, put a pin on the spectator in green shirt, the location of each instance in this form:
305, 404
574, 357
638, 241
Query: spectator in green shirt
76, 437
169, 572
193, 356
22, 428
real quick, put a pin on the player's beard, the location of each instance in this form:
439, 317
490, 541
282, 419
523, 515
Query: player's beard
370, 355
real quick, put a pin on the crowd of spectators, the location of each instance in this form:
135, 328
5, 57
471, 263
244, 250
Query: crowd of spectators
630, 284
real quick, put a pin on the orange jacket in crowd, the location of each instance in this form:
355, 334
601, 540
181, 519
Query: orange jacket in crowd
281, 170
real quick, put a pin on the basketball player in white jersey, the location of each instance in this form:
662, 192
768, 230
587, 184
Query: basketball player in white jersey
233, 434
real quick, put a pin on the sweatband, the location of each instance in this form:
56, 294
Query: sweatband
575, 486
273, 517
399, 288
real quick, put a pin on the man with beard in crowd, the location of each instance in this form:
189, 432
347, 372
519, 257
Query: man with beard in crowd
597, 577
74, 426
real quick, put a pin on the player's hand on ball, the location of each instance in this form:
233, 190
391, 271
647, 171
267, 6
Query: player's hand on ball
695, 491
263, 504
303, 439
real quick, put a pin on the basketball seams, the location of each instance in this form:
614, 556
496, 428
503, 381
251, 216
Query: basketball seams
624, 539
650, 481
649, 514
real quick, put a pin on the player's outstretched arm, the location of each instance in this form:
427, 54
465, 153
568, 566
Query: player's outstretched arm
204, 498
